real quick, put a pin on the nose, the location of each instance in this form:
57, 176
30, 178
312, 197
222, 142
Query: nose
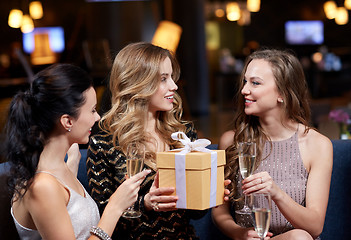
173, 85
245, 90
97, 117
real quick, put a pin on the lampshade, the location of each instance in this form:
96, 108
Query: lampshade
27, 24
15, 18
167, 35
342, 16
245, 18
347, 4
36, 10
233, 11
330, 9
253, 5
42, 53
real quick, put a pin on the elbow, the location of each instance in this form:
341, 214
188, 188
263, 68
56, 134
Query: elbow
317, 232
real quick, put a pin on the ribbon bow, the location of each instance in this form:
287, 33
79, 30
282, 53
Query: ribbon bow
189, 146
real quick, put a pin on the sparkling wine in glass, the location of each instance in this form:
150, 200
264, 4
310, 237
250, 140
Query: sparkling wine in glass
247, 159
135, 162
261, 205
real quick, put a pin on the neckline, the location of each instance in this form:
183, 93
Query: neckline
287, 139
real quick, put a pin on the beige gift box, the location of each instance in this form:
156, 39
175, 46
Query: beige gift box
197, 175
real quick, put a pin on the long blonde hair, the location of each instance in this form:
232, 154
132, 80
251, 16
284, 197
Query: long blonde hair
292, 86
135, 77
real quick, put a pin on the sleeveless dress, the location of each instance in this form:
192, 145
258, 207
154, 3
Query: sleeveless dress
285, 166
83, 212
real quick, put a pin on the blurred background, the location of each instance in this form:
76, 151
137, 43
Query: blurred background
211, 39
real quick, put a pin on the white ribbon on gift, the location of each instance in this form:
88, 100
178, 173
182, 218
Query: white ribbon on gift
189, 146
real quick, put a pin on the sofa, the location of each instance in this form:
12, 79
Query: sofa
336, 222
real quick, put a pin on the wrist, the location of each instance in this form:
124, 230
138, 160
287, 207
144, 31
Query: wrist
278, 195
100, 233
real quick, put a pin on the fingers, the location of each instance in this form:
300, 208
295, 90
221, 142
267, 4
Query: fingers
156, 180
160, 199
140, 176
227, 182
259, 182
226, 191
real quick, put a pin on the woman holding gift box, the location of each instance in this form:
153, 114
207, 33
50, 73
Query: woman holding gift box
146, 109
293, 161
44, 123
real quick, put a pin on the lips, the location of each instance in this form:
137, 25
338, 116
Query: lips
249, 100
169, 97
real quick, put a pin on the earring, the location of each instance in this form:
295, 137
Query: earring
280, 100
69, 130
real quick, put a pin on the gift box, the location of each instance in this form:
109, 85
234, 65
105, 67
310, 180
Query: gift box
198, 177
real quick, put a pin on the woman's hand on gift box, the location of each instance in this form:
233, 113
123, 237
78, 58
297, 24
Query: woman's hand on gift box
226, 191
160, 199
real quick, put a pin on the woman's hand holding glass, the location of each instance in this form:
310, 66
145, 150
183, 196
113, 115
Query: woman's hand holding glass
127, 193
260, 182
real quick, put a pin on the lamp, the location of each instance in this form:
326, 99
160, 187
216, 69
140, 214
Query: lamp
233, 11
15, 18
36, 10
342, 16
253, 5
347, 4
330, 9
27, 24
167, 35
42, 53
245, 18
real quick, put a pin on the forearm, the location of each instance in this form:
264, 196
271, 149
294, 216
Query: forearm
110, 218
299, 216
224, 221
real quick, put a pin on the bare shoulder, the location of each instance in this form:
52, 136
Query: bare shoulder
316, 149
317, 140
226, 140
45, 188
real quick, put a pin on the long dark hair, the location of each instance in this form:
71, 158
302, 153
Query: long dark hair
33, 115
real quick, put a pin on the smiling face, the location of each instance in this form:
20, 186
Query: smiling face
88, 115
162, 99
260, 90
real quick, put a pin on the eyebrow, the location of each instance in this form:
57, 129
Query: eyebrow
253, 78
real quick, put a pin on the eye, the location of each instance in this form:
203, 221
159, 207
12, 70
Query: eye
255, 83
94, 110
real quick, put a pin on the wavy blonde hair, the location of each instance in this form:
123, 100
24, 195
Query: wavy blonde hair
135, 77
292, 86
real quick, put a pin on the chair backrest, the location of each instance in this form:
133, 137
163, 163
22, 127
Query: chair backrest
7, 226
338, 216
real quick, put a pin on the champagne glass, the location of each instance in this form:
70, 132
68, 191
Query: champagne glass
247, 158
261, 205
135, 161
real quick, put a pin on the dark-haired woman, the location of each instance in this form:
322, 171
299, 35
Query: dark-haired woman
44, 122
294, 161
